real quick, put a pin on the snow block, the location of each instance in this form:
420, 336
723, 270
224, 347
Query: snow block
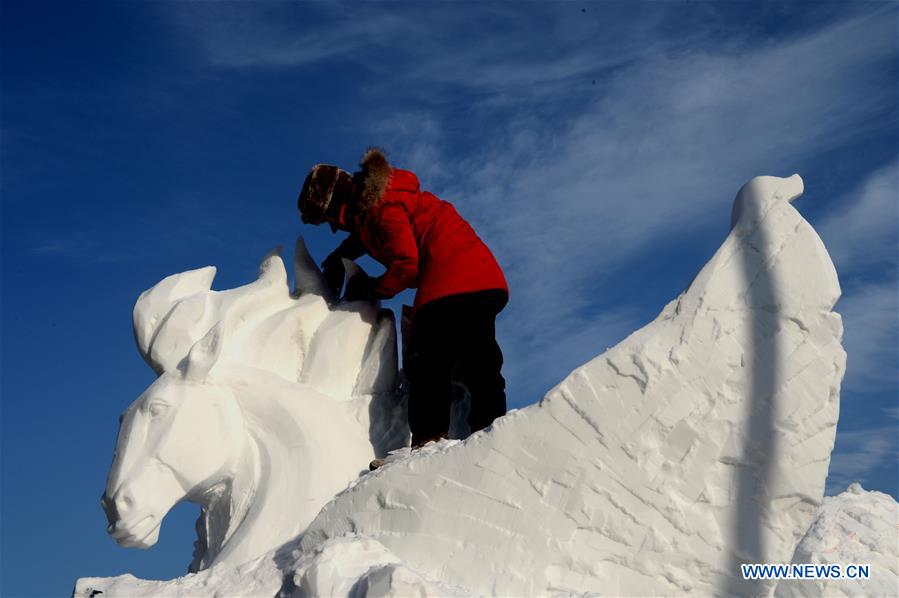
267, 404
700, 442
854, 527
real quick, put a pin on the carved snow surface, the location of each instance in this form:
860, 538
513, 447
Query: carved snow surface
855, 527
700, 442
267, 404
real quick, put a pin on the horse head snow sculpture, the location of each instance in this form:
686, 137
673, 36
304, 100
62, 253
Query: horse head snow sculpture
267, 404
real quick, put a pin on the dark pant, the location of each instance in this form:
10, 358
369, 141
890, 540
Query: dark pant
454, 339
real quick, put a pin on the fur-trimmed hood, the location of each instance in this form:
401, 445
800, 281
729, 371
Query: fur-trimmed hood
373, 177
376, 175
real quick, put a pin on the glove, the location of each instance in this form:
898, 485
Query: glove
361, 288
333, 272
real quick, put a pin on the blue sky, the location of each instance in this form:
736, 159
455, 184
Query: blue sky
596, 147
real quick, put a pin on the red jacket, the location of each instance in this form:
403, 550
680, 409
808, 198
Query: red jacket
421, 240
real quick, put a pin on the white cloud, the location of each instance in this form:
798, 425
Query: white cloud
536, 363
649, 158
857, 454
860, 232
871, 337
479, 46
863, 229
657, 159
273, 34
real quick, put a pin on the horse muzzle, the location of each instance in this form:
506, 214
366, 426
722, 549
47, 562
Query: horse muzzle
130, 527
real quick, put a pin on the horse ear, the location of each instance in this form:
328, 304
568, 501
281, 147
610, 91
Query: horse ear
309, 279
155, 304
204, 354
351, 269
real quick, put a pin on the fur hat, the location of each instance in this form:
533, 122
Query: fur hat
325, 189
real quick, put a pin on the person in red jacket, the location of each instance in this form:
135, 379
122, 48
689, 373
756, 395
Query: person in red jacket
423, 243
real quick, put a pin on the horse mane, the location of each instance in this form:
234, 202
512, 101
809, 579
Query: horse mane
282, 460
342, 349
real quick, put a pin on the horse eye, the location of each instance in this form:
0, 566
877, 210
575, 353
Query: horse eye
157, 408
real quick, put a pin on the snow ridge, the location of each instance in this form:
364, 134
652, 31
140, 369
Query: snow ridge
700, 442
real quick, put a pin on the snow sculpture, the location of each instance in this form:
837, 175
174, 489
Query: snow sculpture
266, 406
854, 527
700, 442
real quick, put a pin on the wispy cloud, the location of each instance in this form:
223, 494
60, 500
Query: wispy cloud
487, 47
871, 324
579, 159
274, 34
858, 454
861, 233
863, 229
656, 159
539, 361
81, 246
141, 231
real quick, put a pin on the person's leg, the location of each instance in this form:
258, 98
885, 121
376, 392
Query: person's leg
486, 385
481, 363
429, 367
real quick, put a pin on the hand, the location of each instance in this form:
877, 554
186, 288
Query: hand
360, 288
333, 272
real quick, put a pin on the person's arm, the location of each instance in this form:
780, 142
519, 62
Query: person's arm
351, 248
332, 268
400, 253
